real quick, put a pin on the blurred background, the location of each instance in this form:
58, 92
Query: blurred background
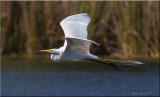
125, 29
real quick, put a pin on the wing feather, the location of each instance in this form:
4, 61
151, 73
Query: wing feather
78, 45
75, 30
76, 25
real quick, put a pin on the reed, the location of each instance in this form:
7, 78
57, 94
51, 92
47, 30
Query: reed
122, 28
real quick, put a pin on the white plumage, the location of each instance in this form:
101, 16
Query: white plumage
75, 30
76, 26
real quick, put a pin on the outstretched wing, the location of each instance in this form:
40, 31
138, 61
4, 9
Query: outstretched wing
76, 25
78, 45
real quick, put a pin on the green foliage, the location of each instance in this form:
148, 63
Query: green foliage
122, 28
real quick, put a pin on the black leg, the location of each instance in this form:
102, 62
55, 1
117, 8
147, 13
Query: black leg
110, 64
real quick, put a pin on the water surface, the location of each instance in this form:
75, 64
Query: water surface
42, 77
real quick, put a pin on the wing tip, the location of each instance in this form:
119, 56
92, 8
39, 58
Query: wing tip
80, 14
95, 43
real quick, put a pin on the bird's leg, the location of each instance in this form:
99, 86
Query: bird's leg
110, 64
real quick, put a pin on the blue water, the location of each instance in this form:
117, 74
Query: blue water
42, 77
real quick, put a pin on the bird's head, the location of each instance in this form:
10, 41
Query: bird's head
55, 54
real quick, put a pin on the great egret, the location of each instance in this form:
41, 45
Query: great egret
76, 45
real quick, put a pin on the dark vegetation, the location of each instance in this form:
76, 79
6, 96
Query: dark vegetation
121, 28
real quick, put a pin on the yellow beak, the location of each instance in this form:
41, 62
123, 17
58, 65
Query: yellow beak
45, 51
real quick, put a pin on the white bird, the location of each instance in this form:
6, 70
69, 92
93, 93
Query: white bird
76, 45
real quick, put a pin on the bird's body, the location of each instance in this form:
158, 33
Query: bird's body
74, 49
76, 45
